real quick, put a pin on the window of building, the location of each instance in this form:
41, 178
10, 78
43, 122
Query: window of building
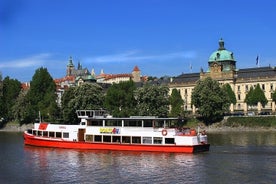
239, 88
271, 86
246, 88
239, 97
263, 86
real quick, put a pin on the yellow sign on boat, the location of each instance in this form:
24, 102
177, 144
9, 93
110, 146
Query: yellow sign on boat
109, 130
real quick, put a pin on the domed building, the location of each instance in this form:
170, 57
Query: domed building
222, 67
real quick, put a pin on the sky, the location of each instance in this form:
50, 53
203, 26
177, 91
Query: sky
161, 37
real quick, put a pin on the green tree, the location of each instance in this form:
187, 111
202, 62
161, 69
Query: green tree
42, 96
259, 96
249, 98
22, 109
11, 90
230, 93
210, 100
176, 103
152, 100
119, 99
274, 96
85, 96
254, 96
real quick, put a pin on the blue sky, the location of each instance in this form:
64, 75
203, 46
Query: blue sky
161, 37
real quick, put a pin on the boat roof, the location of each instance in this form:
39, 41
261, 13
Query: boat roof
102, 114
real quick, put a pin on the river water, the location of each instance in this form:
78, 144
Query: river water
247, 157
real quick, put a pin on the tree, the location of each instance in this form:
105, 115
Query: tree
152, 100
230, 93
274, 96
119, 99
176, 103
42, 96
210, 100
11, 89
255, 95
85, 96
259, 96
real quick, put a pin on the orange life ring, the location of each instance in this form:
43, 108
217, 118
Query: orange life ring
164, 132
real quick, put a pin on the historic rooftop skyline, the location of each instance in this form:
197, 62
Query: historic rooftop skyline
161, 37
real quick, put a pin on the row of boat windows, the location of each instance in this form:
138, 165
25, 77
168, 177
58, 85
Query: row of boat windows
128, 139
132, 123
49, 134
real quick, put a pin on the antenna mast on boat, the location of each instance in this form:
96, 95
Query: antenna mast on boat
39, 116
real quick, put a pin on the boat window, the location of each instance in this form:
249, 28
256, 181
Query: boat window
65, 134
106, 138
98, 138
58, 134
148, 123
147, 140
136, 123
89, 138
34, 132
116, 139
113, 122
158, 123
95, 123
29, 131
90, 113
82, 113
136, 140
125, 139
39, 133
173, 123
157, 140
169, 140
51, 134
45, 133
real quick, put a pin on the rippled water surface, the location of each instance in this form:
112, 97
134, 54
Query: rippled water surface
247, 157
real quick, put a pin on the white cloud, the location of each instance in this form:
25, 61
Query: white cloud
35, 60
135, 56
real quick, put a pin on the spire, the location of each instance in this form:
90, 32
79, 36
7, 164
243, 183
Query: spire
221, 44
70, 62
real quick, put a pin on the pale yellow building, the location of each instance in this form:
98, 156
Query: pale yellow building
222, 67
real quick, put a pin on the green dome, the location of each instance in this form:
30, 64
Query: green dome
221, 54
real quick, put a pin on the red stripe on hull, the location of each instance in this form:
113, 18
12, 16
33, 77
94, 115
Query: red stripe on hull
56, 143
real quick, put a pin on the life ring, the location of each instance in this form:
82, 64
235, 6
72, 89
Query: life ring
164, 132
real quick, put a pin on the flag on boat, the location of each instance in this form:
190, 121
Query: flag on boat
257, 60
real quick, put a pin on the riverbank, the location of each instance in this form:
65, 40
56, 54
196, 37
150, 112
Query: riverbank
11, 127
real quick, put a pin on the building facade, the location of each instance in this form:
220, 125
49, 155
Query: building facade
222, 67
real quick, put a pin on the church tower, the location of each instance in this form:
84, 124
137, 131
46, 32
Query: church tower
70, 67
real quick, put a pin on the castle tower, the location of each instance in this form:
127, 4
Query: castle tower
136, 73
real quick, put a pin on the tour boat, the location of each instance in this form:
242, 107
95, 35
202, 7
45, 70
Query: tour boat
100, 131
